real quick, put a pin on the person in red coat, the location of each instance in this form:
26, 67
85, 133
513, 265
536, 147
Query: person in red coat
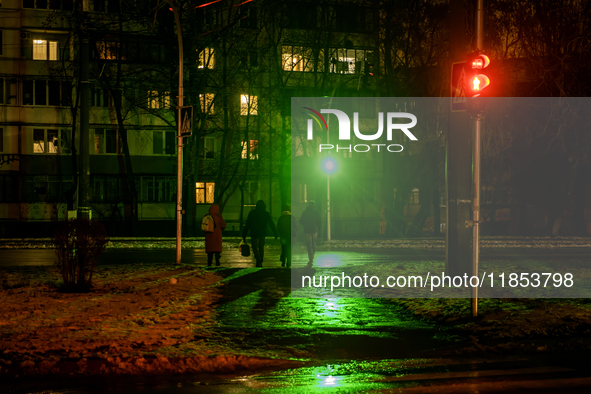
213, 241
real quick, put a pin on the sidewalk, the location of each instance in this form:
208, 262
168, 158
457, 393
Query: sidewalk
395, 243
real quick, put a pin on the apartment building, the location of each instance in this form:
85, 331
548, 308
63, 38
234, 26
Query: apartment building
243, 63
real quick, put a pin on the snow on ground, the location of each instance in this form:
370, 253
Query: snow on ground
233, 242
135, 321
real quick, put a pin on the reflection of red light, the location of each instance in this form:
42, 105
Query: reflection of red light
170, 9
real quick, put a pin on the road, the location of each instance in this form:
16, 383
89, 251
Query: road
541, 375
232, 258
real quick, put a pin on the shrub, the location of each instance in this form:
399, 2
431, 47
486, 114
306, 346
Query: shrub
78, 244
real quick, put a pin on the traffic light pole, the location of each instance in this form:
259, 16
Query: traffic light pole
476, 210
476, 172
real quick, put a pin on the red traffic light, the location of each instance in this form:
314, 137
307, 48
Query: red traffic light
475, 82
480, 61
479, 82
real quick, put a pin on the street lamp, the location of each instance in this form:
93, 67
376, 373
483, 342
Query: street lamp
179, 180
329, 165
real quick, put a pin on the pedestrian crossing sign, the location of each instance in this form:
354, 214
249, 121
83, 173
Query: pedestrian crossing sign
458, 91
186, 119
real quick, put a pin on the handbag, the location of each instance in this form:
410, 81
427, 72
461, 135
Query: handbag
244, 249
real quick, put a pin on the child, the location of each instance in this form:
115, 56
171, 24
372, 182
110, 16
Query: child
288, 231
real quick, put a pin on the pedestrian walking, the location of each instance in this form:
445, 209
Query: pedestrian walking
310, 220
287, 226
257, 221
213, 239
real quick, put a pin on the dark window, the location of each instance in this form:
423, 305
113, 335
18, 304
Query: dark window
27, 92
107, 188
352, 18
156, 188
170, 143
248, 17
40, 93
301, 16
157, 142
99, 5
66, 93
28, 3
54, 92
8, 188
110, 141
113, 6
41, 4
45, 188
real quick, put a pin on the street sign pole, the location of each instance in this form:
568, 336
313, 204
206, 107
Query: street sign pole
179, 178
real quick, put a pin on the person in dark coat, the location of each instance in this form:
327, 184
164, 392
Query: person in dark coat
256, 223
287, 226
213, 241
310, 220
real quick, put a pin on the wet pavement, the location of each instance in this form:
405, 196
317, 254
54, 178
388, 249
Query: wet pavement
566, 373
231, 257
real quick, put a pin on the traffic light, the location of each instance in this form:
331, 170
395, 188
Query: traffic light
476, 81
368, 69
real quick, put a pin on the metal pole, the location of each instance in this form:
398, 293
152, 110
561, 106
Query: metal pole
328, 190
476, 211
476, 174
179, 178
84, 185
328, 206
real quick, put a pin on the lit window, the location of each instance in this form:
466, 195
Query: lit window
205, 192
253, 147
248, 105
349, 61
413, 198
206, 58
158, 100
206, 101
296, 58
44, 50
51, 141
108, 50
38, 140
